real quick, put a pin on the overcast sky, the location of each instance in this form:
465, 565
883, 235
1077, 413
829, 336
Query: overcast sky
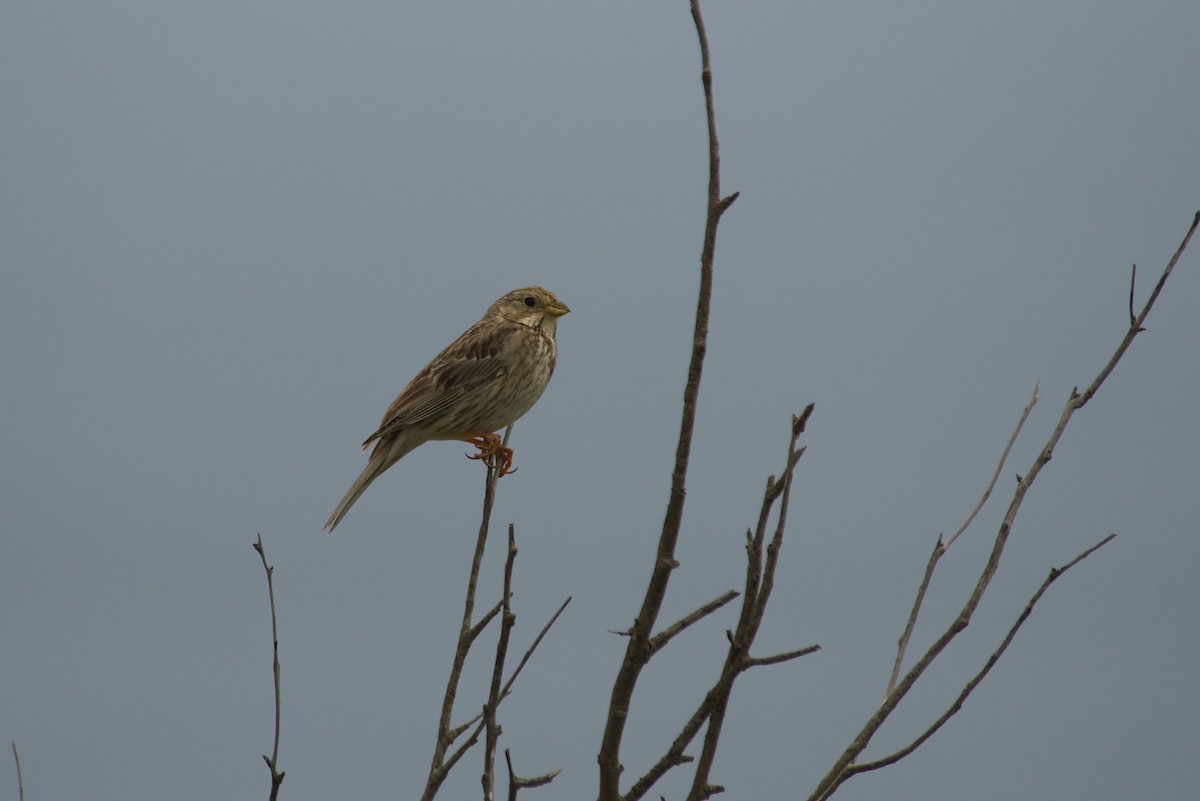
231, 232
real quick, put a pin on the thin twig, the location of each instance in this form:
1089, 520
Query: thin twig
532, 647
940, 547
675, 756
799, 422
666, 635
491, 725
457, 731
776, 659
1132, 285
516, 782
1076, 401
505, 691
273, 760
1008, 446
970, 686
20, 781
478, 628
1136, 325
463, 748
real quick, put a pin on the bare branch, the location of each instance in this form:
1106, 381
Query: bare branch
440, 766
987, 493
516, 783
675, 755
664, 636
504, 693
446, 736
273, 760
970, 686
799, 422
1136, 326
1132, 286
478, 628
711, 710
758, 585
787, 656
940, 547
637, 652
760, 579
461, 751
833, 777
457, 731
20, 781
491, 725
533, 646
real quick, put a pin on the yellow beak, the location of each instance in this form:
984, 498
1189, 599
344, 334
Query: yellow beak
557, 309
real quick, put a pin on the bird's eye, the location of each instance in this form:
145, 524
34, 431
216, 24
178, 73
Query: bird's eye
530, 302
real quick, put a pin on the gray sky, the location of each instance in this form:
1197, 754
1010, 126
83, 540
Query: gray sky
231, 232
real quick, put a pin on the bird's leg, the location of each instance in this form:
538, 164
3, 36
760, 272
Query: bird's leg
491, 451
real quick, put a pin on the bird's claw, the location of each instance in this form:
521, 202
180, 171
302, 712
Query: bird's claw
492, 453
501, 460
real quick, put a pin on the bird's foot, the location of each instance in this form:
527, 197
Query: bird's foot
491, 452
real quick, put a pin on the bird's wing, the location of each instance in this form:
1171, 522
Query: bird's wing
465, 368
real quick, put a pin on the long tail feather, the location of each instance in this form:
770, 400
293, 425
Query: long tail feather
386, 454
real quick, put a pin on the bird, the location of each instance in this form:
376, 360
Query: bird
483, 381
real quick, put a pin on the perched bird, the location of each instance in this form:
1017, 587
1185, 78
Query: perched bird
486, 379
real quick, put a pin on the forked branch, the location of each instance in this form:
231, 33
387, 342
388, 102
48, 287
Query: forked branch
970, 686
846, 764
760, 580
486, 721
666, 635
943, 545
516, 783
760, 573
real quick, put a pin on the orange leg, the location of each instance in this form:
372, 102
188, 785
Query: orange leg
491, 451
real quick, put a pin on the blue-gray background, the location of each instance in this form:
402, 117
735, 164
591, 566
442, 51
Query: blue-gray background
230, 233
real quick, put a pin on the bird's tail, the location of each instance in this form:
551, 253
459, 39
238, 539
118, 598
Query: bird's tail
384, 456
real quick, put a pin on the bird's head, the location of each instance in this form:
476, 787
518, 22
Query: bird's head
532, 306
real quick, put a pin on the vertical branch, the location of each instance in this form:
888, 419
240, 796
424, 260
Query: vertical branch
20, 781
516, 783
273, 760
439, 767
638, 651
491, 725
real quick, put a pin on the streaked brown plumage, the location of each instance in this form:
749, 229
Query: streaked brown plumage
486, 379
